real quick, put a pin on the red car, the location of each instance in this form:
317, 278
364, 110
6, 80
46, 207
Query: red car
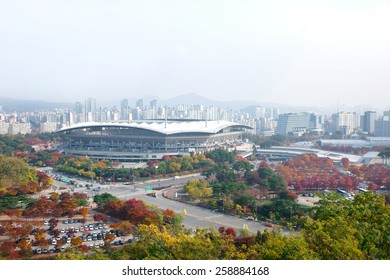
268, 224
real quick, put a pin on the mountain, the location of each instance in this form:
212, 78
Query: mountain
15, 105
192, 98
243, 105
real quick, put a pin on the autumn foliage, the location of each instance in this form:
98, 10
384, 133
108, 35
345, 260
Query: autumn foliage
308, 172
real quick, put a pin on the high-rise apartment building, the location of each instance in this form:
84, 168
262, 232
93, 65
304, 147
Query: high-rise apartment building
345, 122
125, 110
79, 117
153, 103
140, 104
368, 122
293, 124
90, 110
382, 126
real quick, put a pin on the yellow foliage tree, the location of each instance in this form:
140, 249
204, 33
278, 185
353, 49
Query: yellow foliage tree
198, 189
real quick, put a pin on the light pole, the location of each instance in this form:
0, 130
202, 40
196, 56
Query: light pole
290, 214
223, 201
255, 201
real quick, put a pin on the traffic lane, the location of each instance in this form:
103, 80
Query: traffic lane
194, 216
168, 182
130, 191
125, 189
200, 217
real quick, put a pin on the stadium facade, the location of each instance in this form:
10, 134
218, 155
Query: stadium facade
148, 139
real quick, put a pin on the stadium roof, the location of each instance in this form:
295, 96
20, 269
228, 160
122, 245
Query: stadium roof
167, 128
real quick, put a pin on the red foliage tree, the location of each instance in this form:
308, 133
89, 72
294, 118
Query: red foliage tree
113, 207
345, 162
168, 215
99, 217
134, 211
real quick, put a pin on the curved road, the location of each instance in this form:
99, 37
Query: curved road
194, 216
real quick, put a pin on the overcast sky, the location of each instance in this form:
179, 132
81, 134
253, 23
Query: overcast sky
293, 52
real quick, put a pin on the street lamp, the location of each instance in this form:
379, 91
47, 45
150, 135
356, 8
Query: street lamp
290, 214
255, 201
223, 201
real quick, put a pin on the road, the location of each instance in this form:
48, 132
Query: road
194, 216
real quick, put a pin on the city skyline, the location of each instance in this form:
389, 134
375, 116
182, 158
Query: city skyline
12, 104
299, 53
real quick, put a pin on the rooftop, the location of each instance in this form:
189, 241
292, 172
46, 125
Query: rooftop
168, 127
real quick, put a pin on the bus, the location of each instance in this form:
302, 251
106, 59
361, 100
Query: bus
342, 192
361, 190
345, 194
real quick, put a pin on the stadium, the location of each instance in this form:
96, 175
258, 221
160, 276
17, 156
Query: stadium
148, 139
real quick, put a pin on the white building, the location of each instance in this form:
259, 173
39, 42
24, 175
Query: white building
16, 128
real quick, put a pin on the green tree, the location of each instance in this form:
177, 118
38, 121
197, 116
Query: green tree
270, 180
343, 229
220, 156
102, 199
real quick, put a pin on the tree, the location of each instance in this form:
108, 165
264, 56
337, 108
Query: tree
102, 199
343, 229
333, 239
385, 154
99, 217
220, 156
67, 205
168, 215
42, 207
7, 249
12, 171
156, 243
275, 246
76, 241
270, 180
53, 222
134, 210
84, 212
25, 248
113, 207
109, 238
246, 200
198, 189
123, 226
345, 163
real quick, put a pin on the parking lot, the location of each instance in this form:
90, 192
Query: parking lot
92, 235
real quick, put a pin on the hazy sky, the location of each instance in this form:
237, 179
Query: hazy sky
292, 52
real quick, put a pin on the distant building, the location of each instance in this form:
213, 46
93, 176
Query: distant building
125, 110
382, 126
48, 127
19, 128
293, 124
368, 122
79, 116
90, 110
153, 103
4, 128
345, 122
